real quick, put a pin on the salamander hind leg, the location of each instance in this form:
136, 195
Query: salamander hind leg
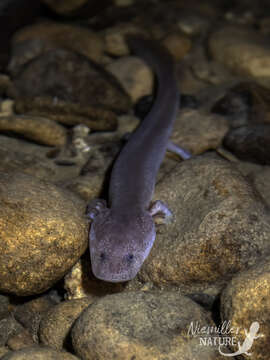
95, 207
160, 212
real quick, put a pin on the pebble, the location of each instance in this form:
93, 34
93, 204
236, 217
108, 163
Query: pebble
250, 143
198, 132
35, 40
114, 38
134, 75
243, 50
38, 129
64, 112
44, 233
9, 327
29, 315
36, 160
65, 7
178, 44
246, 103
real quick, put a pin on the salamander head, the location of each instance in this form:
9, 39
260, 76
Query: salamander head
119, 245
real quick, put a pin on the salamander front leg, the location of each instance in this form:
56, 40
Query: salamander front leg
160, 210
95, 207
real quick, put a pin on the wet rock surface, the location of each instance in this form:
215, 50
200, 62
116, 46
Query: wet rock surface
250, 143
38, 352
243, 50
221, 227
244, 302
144, 324
56, 325
72, 78
37, 247
37, 39
40, 130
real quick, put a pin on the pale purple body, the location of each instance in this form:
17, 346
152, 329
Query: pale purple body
122, 235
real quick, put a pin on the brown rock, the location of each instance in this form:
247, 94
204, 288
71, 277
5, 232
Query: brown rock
246, 300
245, 51
96, 118
141, 324
20, 341
221, 226
43, 233
30, 314
40, 353
55, 326
178, 44
64, 6
64, 75
115, 38
250, 143
39, 129
33, 159
34, 40
258, 175
198, 132
134, 75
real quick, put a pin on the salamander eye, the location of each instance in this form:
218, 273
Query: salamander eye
130, 257
102, 256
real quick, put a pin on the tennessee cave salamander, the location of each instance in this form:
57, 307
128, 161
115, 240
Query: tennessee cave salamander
122, 235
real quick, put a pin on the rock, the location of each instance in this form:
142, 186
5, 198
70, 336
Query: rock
32, 159
198, 132
34, 40
134, 75
246, 103
258, 175
55, 326
246, 300
150, 325
20, 341
6, 107
71, 77
9, 327
114, 37
221, 227
77, 8
39, 129
6, 86
178, 44
4, 307
3, 350
40, 353
250, 143
81, 283
192, 23
30, 314
64, 7
243, 50
123, 3
67, 113
44, 233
